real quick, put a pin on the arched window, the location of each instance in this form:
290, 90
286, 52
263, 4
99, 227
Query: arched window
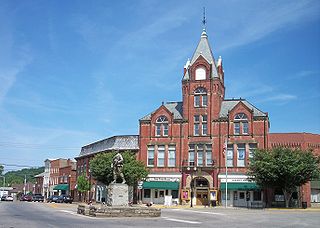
162, 127
241, 124
200, 97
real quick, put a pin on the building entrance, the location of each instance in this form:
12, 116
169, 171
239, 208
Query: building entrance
201, 191
202, 196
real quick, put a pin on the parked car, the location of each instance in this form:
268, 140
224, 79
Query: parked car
64, 199
38, 198
52, 199
9, 198
26, 198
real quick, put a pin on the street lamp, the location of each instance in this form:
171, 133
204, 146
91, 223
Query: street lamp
89, 185
69, 184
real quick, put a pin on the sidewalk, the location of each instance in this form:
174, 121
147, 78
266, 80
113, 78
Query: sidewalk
74, 207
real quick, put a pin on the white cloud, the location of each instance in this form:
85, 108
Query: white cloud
279, 98
258, 21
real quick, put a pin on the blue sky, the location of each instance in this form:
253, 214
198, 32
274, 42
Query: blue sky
74, 72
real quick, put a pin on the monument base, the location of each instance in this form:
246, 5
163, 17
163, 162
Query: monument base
105, 211
117, 194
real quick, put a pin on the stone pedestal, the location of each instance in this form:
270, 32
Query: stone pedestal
117, 195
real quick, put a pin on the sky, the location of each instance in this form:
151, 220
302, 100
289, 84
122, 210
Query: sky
75, 72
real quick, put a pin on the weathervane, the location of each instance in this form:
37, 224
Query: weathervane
204, 18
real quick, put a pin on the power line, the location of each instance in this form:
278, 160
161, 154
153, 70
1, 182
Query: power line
35, 146
21, 166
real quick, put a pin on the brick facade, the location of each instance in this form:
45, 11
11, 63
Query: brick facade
198, 130
303, 141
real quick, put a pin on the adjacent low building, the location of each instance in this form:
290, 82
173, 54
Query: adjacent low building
119, 143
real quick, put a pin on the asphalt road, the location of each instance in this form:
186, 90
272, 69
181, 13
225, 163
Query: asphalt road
27, 214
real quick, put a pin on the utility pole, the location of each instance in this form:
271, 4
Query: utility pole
25, 182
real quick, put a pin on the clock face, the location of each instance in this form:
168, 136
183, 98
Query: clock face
200, 73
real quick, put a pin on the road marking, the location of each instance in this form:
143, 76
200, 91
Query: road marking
80, 215
200, 212
179, 220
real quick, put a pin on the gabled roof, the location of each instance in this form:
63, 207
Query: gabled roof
203, 49
228, 105
121, 142
173, 107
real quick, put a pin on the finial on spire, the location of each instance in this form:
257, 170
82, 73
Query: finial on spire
204, 21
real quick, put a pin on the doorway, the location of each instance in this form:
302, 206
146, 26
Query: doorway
202, 197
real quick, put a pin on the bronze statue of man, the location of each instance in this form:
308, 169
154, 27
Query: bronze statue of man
117, 164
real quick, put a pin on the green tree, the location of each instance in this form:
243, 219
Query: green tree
133, 169
83, 185
283, 168
1, 169
17, 176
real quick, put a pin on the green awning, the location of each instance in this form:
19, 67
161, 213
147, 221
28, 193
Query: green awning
161, 185
63, 187
315, 184
240, 186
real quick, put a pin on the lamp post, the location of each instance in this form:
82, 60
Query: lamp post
226, 156
89, 185
69, 184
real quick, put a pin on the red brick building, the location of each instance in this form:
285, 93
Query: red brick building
119, 143
183, 142
60, 174
310, 192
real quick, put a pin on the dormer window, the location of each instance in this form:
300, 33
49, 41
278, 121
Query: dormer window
162, 127
201, 73
200, 97
241, 124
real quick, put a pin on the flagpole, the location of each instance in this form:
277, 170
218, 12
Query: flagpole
226, 155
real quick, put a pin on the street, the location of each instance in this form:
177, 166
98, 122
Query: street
27, 214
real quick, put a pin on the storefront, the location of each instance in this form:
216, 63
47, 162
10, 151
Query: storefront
159, 189
315, 193
241, 192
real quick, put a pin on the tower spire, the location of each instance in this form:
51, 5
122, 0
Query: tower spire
204, 21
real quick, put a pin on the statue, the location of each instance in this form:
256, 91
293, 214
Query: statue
117, 164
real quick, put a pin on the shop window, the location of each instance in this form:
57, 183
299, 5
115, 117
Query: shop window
235, 195
175, 194
241, 195
161, 194
156, 193
146, 193
257, 196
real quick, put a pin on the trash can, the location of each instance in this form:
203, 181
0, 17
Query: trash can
304, 205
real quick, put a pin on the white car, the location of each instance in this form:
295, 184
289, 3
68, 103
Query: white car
9, 198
